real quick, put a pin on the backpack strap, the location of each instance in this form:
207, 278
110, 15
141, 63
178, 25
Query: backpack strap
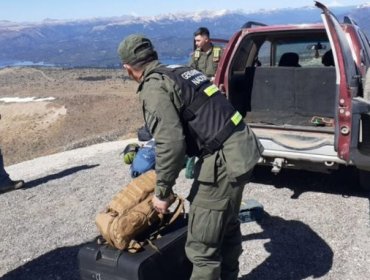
136, 246
180, 209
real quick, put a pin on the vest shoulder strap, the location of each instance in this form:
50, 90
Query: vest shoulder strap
199, 100
231, 125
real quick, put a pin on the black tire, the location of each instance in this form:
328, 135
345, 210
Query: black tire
364, 180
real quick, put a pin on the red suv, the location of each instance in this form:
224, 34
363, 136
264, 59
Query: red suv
305, 91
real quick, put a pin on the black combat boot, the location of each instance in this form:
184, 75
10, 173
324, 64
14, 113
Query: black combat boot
11, 185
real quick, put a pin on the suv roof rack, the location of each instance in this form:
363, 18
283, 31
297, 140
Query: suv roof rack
249, 24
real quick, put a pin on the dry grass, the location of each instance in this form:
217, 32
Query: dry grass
90, 106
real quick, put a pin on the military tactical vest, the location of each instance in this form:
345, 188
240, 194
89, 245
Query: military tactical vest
207, 116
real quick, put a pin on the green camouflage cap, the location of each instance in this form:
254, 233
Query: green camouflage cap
136, 48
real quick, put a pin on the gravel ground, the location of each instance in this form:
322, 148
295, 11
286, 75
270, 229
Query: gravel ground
315, 226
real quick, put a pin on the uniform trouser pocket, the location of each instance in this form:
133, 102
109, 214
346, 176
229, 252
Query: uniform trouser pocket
206, 225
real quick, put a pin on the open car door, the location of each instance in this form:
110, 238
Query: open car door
352, 111
347, 82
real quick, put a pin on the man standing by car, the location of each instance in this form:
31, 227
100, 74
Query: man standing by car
206, 56
187, 114
6, 184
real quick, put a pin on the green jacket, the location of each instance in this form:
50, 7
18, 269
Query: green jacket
206, 62
162, 103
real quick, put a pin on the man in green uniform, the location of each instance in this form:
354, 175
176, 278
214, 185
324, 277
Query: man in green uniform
7, 184
187, 114
206, 56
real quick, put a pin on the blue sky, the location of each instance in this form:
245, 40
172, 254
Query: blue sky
38, 10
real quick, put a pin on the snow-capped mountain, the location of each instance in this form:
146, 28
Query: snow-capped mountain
93, 42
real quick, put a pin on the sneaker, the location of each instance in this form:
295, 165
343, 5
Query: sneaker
12, 185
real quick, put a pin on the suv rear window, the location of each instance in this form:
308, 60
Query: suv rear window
310, 53
268, 50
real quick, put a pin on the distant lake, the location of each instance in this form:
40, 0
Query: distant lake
175, 60
24, 63
12, 63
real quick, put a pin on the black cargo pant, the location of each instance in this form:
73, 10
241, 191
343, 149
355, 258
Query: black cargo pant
4, 177
214, 238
